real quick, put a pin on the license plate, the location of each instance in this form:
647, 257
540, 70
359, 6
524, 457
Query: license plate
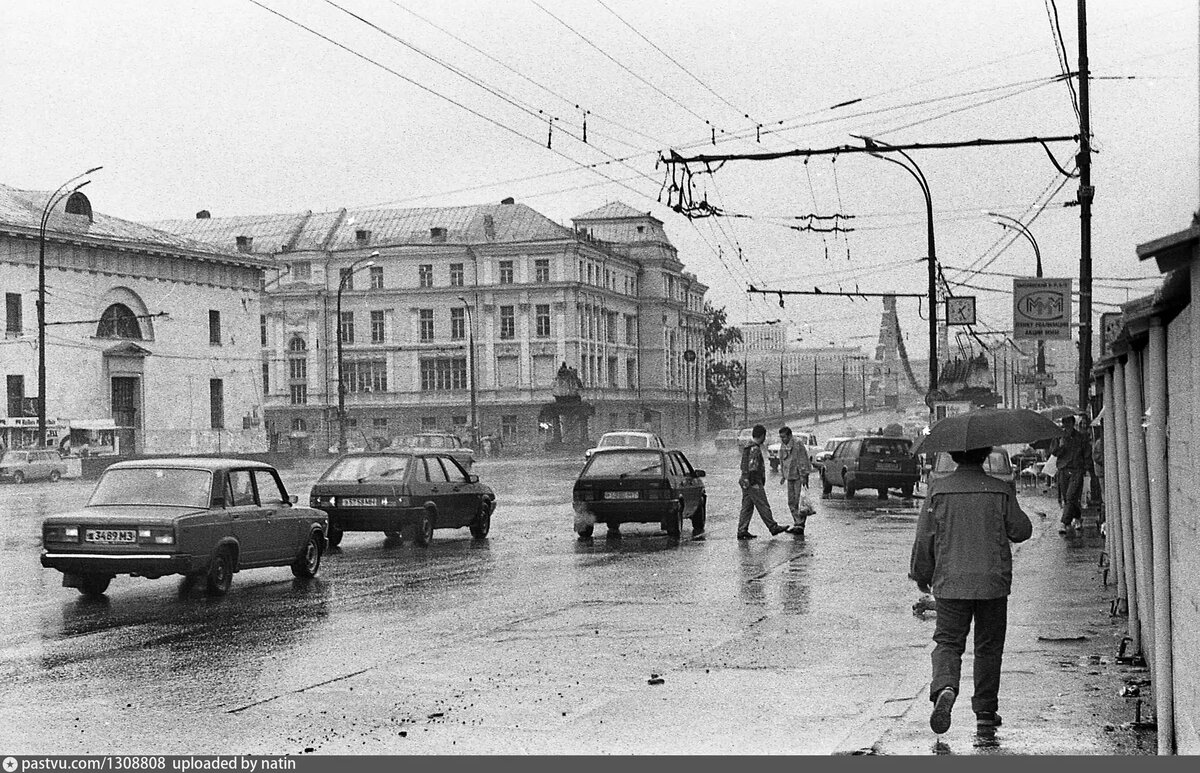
359, 502
888, 466
111, 536
620, 494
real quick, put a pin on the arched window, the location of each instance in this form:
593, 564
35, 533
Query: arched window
118, 321
297, 344
299, 425
78, 204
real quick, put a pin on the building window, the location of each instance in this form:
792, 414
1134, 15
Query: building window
214, 326
458, 324
541, 270
610, 327
301, 271
216, 402
425, 275
266, 375
118, 321
506, 272
508, 322
631, 373
365, 375
630, 329
459, 424
299, 394
428, 423
543, 320
425, 324
376, 277
456, 275
508, 428
297, 369
443, 374
12, 315
262, 329
345, 279
297, 344
346, 328
376, 327
612, 373
379, 427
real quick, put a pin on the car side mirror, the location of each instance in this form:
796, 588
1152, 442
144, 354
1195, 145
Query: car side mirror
472, 479
698, 473
293, 499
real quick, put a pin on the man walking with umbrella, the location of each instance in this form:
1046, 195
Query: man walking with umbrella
961, 555
1074, 454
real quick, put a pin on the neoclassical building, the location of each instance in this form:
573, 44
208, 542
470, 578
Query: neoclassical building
150, 337
608, 298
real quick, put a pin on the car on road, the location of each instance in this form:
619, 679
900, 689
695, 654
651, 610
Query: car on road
402, 493
825, 451
876, 462
807, 439
203, 518
626, 438
27, 465
725, 439
443, 441
629, 485
998, 465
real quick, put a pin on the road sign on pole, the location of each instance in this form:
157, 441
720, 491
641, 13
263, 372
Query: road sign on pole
1042, 308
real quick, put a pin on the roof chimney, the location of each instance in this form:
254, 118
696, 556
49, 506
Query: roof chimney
509, 200
437, 234
362, 236
245, 243
203, 215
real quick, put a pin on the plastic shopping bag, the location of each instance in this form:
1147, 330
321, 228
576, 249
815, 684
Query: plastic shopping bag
1050, 468
806, 503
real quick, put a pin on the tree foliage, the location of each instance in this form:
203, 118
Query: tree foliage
722, 377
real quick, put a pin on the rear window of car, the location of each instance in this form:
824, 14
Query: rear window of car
640, 441
886, 447
13, 457
153, 486
630, 465
356, 467
997, 463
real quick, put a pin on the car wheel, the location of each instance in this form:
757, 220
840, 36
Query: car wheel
18, 478
94, 584
906, 490
424, 532
220, 573
392, 537
699, 517
309, 560
334, 537
481, 524
54, 476
883, 492
673, 523
826, 486
585, 532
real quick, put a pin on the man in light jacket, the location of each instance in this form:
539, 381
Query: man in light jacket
961, 554
794, 469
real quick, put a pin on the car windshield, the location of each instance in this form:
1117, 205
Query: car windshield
153, 486
647, 464
358, 467
640, 441
886, 447
12, 457
997, 463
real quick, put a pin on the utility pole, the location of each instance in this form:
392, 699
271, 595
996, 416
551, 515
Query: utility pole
766, 406
782, 414
863, 374
1086, 193
844, 408
745, 392
816, 395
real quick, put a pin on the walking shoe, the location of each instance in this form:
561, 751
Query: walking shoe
747, 535
939, 720
797, 532
987, 721
1077, 524
777, 529
1062, 528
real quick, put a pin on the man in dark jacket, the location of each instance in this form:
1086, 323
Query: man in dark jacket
754, 495
961, 554
1074, 453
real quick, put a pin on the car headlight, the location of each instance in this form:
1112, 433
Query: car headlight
60, 533
157, 535
320, 501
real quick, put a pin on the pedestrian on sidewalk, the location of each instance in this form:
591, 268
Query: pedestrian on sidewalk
794, 469
962, 556
753, 482
1074, 454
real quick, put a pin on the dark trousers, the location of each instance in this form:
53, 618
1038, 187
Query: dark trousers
1070, 489
754, 498
954, 618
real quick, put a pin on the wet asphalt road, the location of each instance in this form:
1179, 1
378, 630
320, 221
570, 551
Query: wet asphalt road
529, 642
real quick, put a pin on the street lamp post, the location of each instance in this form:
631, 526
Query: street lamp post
471, 365
59, 194
341, 384
1017, 225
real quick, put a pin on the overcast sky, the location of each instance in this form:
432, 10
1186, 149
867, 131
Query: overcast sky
223, 105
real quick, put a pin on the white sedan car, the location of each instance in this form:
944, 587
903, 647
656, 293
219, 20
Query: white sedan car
626, 438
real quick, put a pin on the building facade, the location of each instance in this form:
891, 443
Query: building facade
429, 302
149, 336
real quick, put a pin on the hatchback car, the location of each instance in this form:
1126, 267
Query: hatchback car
626, 438
998, 465
404, 494
204, 518
442, 441
22, 466
880, 463
650, 485
725, 439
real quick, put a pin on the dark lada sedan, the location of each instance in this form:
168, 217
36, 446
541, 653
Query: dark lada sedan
627, 485
205, 518
880, 463
402, 494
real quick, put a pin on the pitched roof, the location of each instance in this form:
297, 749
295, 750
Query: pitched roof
21, 210
613, 210
475, 224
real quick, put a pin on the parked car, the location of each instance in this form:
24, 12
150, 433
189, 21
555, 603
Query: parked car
876, 462
826, 451
807, 439
404, 494
998, 465
446, 441
626, 438
725, 439
651, 485
21, 466
204, 518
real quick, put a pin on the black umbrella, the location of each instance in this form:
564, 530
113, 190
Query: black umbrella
987, 427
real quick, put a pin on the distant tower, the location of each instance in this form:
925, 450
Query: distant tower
891, 372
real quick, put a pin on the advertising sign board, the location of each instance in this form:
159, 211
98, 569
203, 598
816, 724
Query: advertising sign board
1042, 308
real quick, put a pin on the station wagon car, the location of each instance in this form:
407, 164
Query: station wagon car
22, 466
880, 463
404, 494
441, 441
204, 518
626, 438
626, 485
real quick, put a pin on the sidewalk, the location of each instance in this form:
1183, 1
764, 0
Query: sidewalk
1061, 688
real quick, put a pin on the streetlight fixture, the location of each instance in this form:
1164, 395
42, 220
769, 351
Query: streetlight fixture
59, 194
1011, 222
919, 176
471, 358
341, 387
